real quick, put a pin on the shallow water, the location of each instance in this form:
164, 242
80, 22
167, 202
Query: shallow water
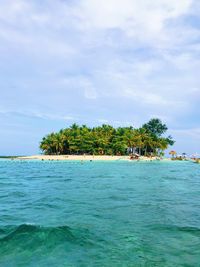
99, 214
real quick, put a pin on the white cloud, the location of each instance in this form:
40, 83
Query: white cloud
193, 133
144, 21
127, 58
152, 99
50, 116
37, 114
89, 90
90, 93
103, 121
33, 29
140, 19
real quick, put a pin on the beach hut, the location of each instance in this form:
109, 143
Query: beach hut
172, 153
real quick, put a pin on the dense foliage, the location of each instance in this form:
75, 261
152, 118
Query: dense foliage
108, 140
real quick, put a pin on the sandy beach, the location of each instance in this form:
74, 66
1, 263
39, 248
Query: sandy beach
74, 157
83, 158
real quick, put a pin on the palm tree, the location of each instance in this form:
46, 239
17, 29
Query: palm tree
104, 139
162, 144
141, 140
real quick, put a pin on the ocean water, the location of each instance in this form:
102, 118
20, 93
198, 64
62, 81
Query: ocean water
99, 214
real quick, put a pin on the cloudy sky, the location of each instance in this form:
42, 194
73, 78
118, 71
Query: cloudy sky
120, 62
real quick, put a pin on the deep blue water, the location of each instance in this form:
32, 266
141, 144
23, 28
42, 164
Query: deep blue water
99, 214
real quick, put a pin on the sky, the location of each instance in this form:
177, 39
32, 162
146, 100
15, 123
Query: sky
120, 62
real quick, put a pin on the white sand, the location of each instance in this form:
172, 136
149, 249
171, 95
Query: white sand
82, 157
75, 157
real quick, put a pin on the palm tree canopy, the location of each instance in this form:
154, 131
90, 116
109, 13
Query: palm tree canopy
108, 140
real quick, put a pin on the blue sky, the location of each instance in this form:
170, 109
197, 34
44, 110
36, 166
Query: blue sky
120, 62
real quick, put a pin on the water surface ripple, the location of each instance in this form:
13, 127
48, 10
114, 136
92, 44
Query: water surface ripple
99, 214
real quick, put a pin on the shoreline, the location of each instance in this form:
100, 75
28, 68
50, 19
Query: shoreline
87, 158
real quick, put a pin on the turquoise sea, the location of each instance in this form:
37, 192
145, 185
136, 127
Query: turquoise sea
99, 214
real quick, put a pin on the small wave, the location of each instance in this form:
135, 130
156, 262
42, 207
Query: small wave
34, 231
29, 237
22, 244
176, 228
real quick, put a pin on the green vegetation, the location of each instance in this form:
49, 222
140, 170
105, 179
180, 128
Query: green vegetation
8, 157
107, 140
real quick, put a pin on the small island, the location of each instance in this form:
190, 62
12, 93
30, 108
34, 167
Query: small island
149, 140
